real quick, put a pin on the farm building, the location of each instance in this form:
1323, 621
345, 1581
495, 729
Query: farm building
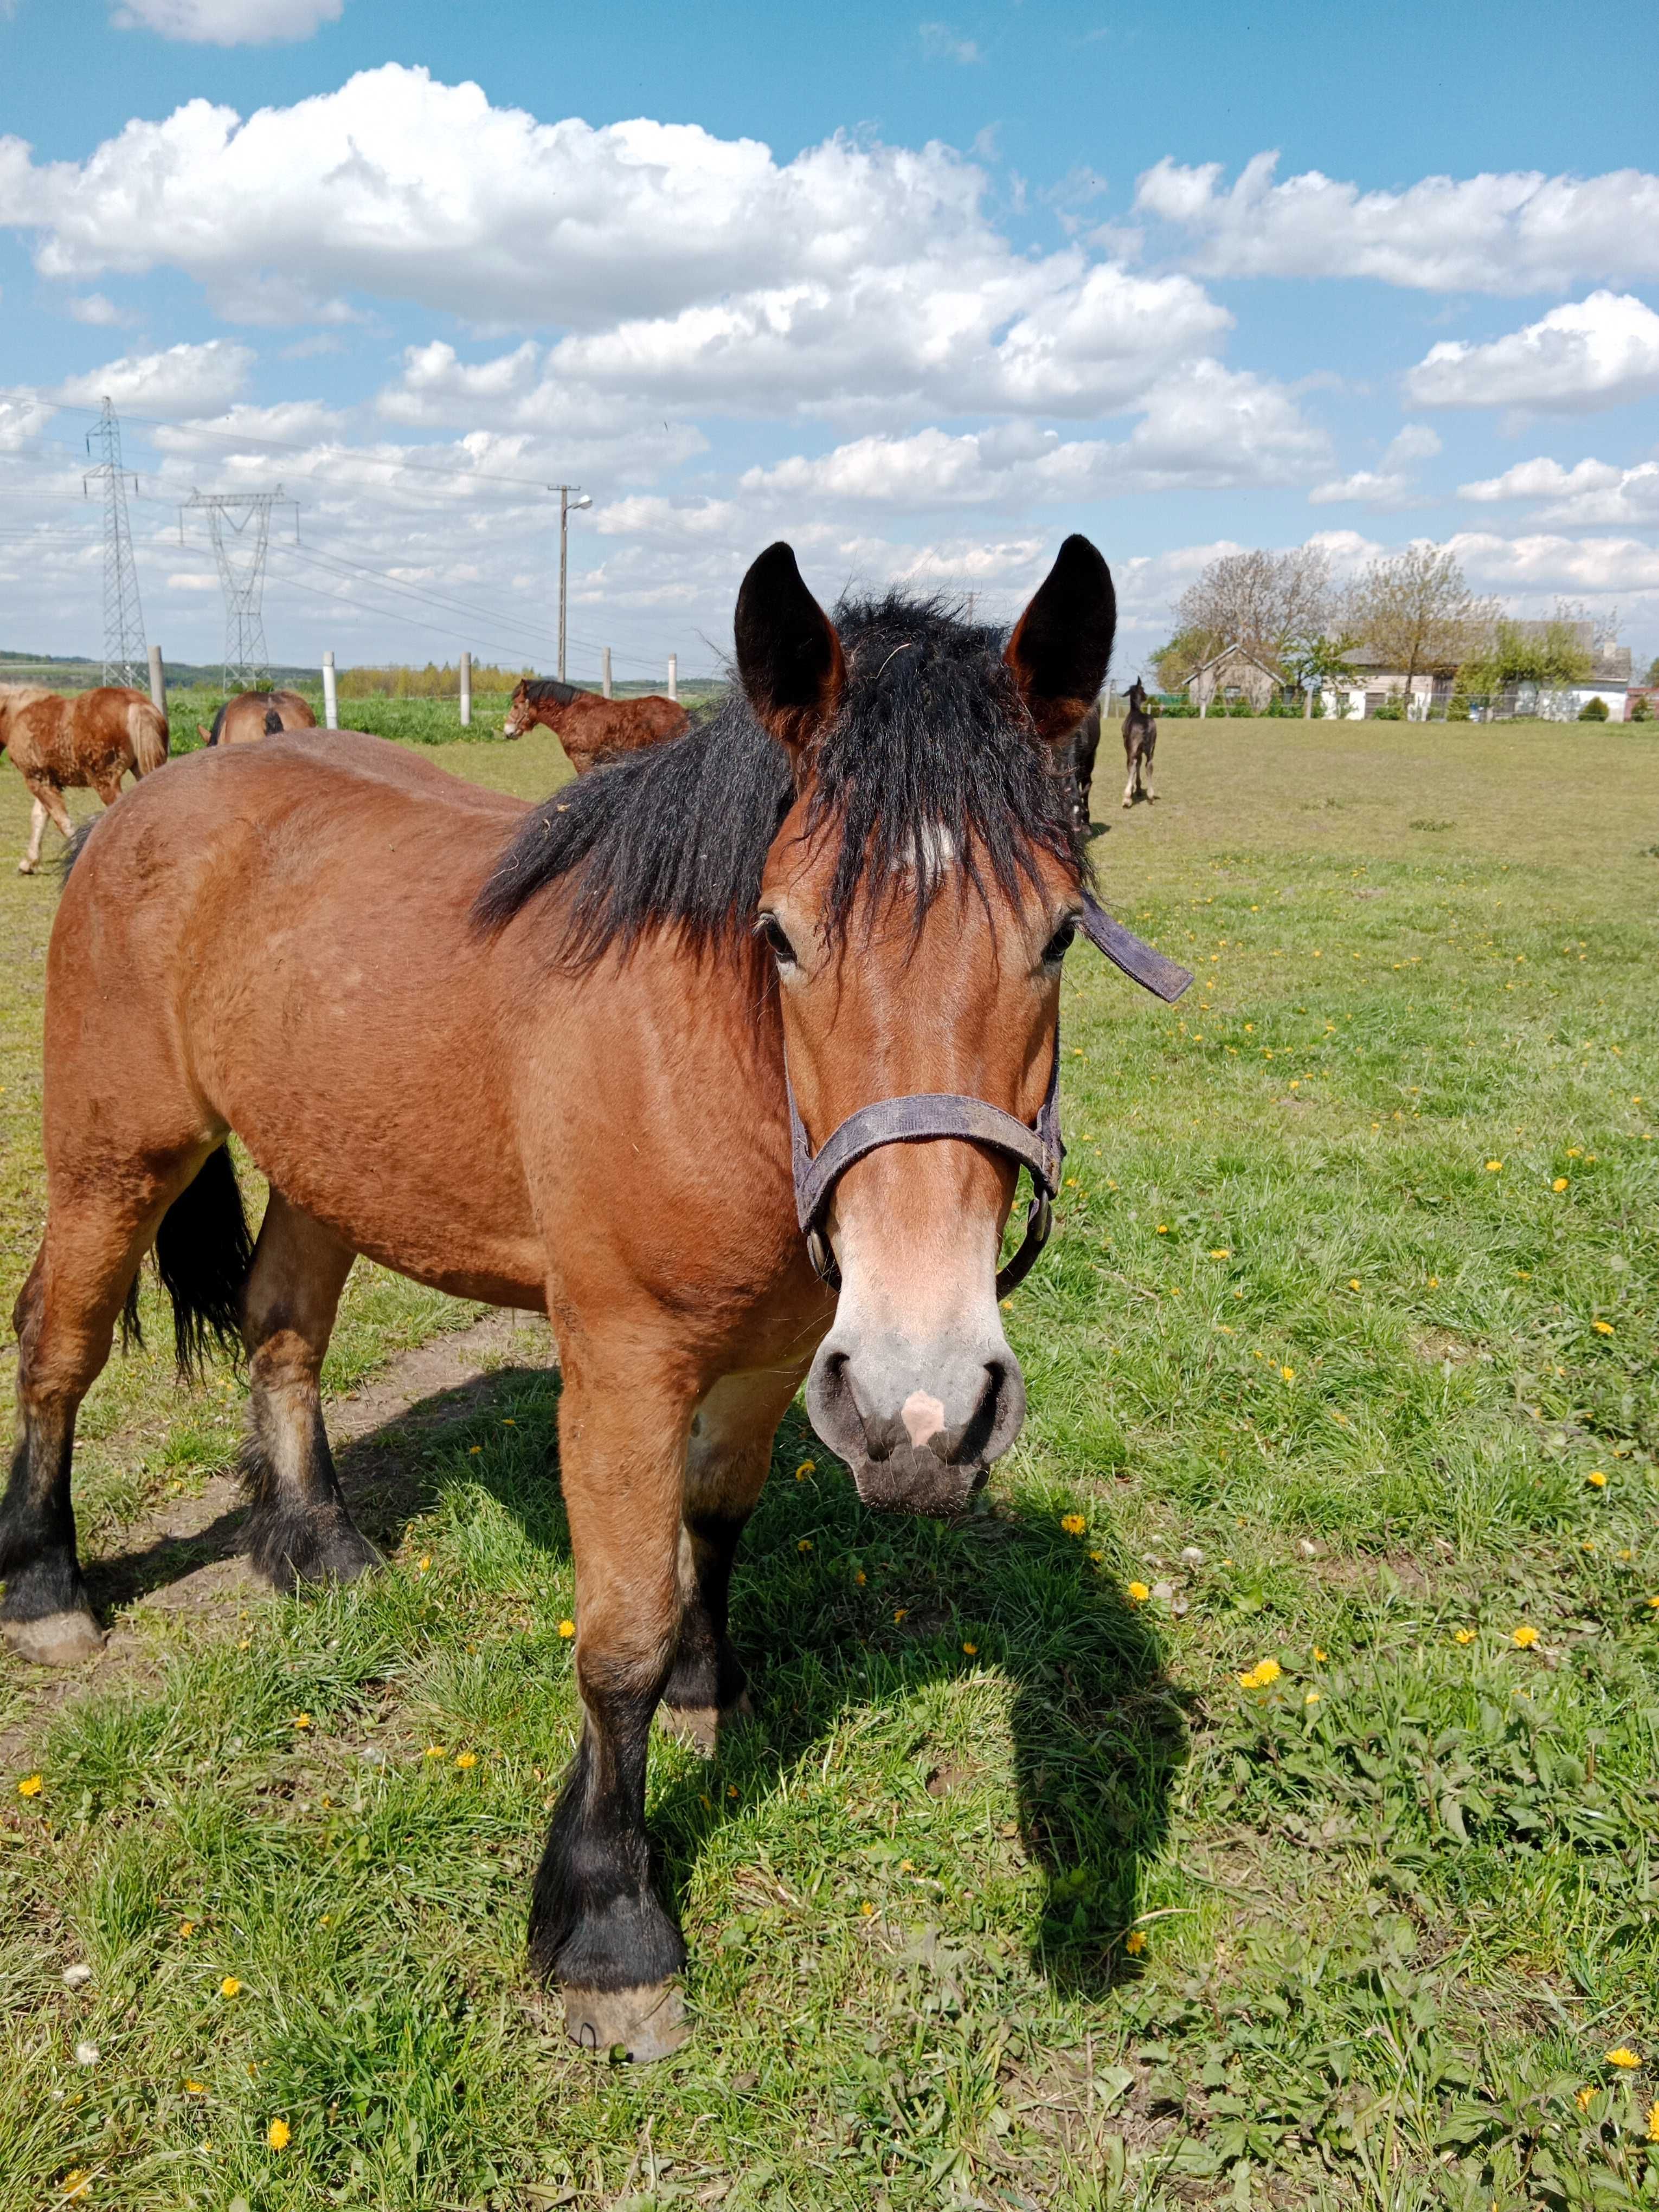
1234, 673
1375, 681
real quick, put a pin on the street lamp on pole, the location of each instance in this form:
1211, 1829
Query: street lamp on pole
572, 499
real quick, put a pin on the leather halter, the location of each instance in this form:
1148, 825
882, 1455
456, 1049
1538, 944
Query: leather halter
932, 1114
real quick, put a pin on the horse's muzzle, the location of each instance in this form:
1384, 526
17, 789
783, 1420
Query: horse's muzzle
918, 1426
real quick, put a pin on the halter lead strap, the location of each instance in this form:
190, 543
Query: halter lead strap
934, 1114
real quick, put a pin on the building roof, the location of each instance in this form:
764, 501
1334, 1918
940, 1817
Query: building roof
1229, 652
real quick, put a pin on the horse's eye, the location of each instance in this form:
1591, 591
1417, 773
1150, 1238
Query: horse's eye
781, 950
1054, 950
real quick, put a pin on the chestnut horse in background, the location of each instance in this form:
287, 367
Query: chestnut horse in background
256, 714
590, 728
89, 739
1140, 744
575, 1099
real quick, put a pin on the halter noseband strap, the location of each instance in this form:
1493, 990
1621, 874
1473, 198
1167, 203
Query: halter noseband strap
934, 1114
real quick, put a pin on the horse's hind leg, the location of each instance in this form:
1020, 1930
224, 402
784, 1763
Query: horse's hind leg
1135, 779
300, 1530
1146, 775
726, 1463
66, 1319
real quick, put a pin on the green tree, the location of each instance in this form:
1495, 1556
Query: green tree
1416, 612
1187, 650
1316, 663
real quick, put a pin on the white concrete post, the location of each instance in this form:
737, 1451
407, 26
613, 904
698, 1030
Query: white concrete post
331, 696
673, 676
604, 673
158, 680
466, 690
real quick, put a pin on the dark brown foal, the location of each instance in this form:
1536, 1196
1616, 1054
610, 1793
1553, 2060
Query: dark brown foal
574, 1098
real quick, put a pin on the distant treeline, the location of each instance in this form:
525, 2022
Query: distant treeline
429, 683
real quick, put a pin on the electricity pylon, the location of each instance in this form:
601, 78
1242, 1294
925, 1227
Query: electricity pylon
125, 658
241, 560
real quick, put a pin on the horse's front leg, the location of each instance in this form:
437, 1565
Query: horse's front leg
596, 1926
48, 801
727, 1461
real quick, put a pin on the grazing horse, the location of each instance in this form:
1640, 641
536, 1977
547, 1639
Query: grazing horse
1086, 746
575, 1099
256, 714
89, 739
1140, 744
590, 728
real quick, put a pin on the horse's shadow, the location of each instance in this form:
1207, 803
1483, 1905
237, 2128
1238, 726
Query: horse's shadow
835, 1608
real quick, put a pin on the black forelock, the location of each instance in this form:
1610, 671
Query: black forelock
930, 755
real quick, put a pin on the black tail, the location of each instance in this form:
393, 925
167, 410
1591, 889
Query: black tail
203, 1254
72, 851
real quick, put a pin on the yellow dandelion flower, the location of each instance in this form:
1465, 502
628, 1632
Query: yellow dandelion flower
277, 2135
567, 1629
1624, 2057
907, 1866
230, 1987
1163, 1228
435, 1750
1096, 1557
1597, 1480
1585, 2098
464, 1759
972, 1650
1138, 1592
195, 2089
1494, 1167
1574, 1152
1073, 1524
1312, 1697
807, 1467
859, 1578
77, 2182
1560, 1183
507, 1421
30, 1786
186, 1929
1268, 1670
805, 1544
866, 1909
1653, 2122
1463, 1635
900, 1612
1289, 1373
1654, 1602
1602, 1328
1525, 1637
472, 1450
1135, 1942
1222, 1252
1434, 1282
302, 1721
1353, 1282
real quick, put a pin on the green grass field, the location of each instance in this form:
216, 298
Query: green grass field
1257, 1802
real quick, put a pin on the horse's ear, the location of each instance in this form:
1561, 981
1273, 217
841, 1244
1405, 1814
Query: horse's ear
206, 735
1063, 640
789, 657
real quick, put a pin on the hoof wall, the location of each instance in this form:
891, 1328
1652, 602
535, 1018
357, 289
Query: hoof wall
646, 2022
701, 1726
58, 1640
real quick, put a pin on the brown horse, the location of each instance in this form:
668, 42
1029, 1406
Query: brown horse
89, 739
256, 714
575, 1099
1085, 749
592, 729
1140, 744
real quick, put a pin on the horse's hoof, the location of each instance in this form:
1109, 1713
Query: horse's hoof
703, 1726
644, 2023
27, 868
56, 1639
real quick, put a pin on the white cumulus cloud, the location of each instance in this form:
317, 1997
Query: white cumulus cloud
227, 22
1392, 484
1514, 232
1594, 353
1591, 492
185, 379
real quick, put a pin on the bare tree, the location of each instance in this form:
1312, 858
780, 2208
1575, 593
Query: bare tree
1266, 602
1416, 612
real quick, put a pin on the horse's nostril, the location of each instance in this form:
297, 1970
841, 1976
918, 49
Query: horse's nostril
972, 1440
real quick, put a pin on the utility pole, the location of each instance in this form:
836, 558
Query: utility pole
572, 500
125, 658
248, 667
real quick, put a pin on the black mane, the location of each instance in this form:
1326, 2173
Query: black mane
932, 755
541, 689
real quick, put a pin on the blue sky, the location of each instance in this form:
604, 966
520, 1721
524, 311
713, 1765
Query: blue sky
1005, 271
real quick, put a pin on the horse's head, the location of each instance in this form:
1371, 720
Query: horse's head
521, 715
917, 904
